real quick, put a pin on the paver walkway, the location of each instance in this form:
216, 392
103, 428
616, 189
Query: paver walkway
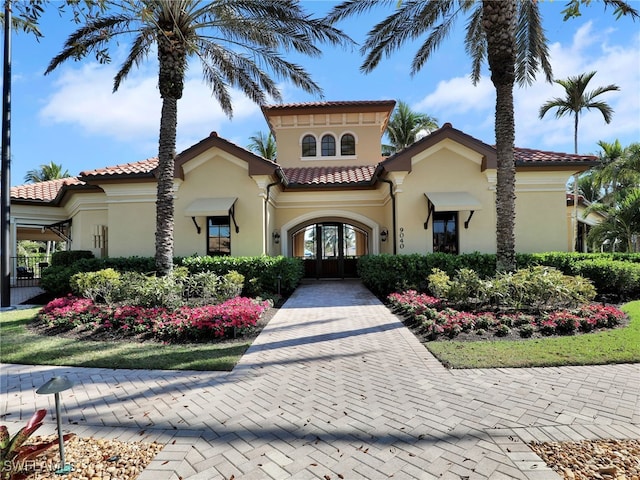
336, 387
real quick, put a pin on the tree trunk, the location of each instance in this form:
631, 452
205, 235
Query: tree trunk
575, 134
172, 60
499, 23
164, 200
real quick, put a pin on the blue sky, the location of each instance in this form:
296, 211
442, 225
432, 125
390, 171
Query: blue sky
71, 117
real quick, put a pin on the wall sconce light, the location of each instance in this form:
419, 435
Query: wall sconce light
384, 234
276, 237
55, 386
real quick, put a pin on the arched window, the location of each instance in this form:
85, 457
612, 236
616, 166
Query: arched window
328, 146
308, 146
347, 144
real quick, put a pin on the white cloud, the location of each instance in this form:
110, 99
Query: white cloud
471, 109
614, 64
458, 96
83, 99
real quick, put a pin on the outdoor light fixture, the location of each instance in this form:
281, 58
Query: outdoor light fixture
384, 234
276, 237
55, 386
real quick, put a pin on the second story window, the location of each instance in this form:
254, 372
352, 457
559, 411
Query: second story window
347, 144
328, 146
308, 146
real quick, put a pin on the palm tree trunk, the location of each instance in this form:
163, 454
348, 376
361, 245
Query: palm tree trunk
172, 60
164, 200
575, 134
499, 23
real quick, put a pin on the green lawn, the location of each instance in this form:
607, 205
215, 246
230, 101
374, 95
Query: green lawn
620, 345
19, 345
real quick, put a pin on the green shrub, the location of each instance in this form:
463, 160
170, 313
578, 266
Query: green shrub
262, 274
151, 291
439, 283
526, 331
68, 257
502, 330
542, 288
533, 289
101, 286
615, 278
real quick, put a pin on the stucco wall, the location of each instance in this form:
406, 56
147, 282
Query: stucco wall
445, 170
211, 175
541, 213
290, 150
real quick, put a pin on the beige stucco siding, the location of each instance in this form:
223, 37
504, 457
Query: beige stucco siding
290, 149
132, 227
365, 208
216, 174
541, 212
445, 170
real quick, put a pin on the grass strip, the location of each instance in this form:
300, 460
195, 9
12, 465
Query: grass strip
620, 345
21, 346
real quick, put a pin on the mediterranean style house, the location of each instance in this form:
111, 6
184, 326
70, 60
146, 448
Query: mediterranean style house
329, 198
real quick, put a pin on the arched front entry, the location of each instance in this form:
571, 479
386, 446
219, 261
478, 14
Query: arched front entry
330, 249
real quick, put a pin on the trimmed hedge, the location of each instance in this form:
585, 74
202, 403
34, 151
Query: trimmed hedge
69, 257
615, 275
263, 275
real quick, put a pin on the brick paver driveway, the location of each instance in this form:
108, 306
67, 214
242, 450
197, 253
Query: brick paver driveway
336, 387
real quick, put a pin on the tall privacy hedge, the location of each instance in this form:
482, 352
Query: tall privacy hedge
614, 275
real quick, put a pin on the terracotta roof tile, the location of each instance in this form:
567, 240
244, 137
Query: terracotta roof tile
345, 103
329, 175
143, 166
529, 155
43, 191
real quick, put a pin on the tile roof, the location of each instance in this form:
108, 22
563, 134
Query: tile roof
296, 177
43, 191
135, 168
329, 175
345, 103
531, 156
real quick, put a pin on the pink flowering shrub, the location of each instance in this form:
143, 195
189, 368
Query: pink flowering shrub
223, 320
433, 318
562, 322
68, 311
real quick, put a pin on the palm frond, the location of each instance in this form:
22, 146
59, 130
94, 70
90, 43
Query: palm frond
352, 8
89, 38
531, 42
476, 44
139, 50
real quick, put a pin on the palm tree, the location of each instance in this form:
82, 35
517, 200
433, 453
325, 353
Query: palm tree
507, 34
404, 127
589, 186
235, 41
264, 145
576, 100
621, 170
51, 171
621, 225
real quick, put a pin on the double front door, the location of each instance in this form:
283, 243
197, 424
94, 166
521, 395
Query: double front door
330, 249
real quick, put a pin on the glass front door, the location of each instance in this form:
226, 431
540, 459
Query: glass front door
330, 249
